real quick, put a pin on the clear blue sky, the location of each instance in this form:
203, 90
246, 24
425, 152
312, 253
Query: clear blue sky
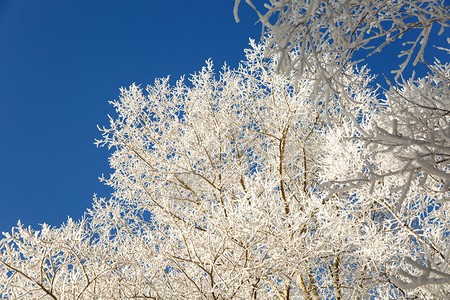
61, 62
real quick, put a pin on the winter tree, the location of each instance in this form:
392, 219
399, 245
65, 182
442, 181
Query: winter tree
218, 194
415, 127
349, 29
258, 183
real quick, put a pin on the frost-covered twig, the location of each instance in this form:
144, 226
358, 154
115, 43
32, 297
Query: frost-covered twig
425, 278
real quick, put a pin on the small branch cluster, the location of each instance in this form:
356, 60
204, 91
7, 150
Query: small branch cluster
425, 278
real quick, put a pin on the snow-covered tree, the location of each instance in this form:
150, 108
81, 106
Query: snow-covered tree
286, 178
221, 192
416, 123
318, 29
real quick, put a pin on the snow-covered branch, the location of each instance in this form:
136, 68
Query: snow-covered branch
428, 276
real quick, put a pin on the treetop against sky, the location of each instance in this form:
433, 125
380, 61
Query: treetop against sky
63, 61
285, 176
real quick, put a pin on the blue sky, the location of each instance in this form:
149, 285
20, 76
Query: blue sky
62, 61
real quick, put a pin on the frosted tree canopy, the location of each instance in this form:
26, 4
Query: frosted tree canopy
288, 177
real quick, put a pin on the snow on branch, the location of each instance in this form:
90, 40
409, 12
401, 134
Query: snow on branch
425, 278
343, 28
